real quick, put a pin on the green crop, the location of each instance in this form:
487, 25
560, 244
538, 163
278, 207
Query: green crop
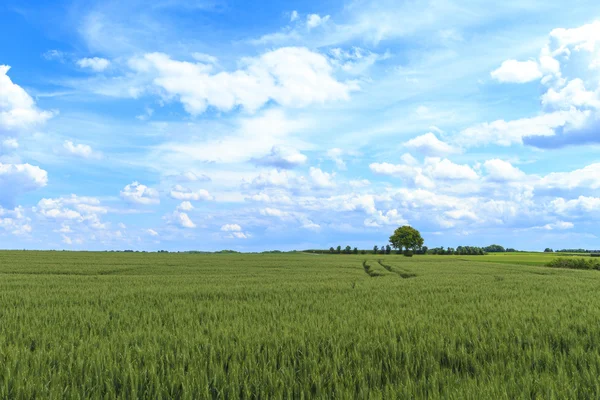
141, 325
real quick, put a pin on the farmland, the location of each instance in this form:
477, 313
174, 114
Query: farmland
147, 325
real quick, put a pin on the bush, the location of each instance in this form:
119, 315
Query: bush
595, 254
574, 263
408, 253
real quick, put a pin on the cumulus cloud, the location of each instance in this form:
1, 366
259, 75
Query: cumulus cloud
586, 177
80, 209
429, 145
179, 192
96, 64
321, 179
137, 193
181, 219
16, 179
14, 221
185, 206
572, 105
272, 178
502, 171
506, 133
426, 174
282, 157
234, 231
517, 71
314, 20
231, 228
391, 217
580, 205
17, 109
79, 150
290, 76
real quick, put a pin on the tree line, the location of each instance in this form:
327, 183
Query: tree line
549, 250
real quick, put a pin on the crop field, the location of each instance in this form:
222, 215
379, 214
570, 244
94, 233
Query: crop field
142, 325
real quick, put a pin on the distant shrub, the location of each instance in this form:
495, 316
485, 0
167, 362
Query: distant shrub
574, 263
595, 254
408, 253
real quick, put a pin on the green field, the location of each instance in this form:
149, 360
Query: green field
141, 325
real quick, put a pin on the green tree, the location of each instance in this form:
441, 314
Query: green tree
375, 248
406, 237
348, 250
355, 251
331, 250
339, 250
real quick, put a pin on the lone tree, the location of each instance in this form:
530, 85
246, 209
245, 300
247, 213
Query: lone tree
406, 237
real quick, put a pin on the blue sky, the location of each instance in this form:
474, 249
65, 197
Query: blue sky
288, 125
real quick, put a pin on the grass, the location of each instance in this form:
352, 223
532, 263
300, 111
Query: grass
135, 325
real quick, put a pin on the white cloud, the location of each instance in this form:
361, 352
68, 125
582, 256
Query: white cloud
181, 193
282, 157
151, 232
290, 76
320, 178
182, 219
96, 64
185, 206
310, 225
501, 171
430, 145
15, 221
580, 205
79, 150
584, 37
314, 20
445, 169
234, 231
506, 133
272, 178
137, 193
587, 177
425, 175
19, 178
517, 71
17, 109
294, 16
274, 212
574, 94
231, 228
391, 217
73, 208
237, 235
560, 225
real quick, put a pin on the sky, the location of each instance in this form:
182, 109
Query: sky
209, 124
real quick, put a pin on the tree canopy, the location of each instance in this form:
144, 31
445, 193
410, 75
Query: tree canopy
406, 237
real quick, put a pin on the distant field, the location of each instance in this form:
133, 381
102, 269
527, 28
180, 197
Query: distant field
136, 325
